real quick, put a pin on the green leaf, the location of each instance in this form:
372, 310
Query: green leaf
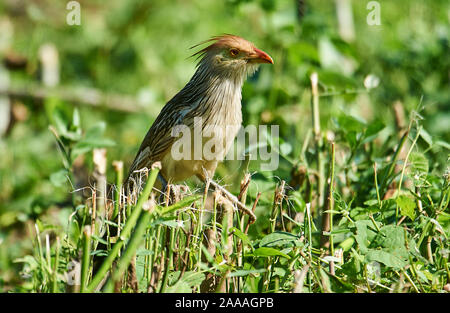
280, 239
352, 139
419, 163
100, 253
350, 123
325, 280
281, 272
426, 137
63, 127
444, 221
391, 237
407, 206
241, 236
92, 139
180, 204
372, 130
335, 232
443, 144
88, 144
371, 202
59, 178
111, 223
144, 252
103, 241
76, 119
184, 284
267, 252
179, 287
364, 234
193, 278
388, 247
386, 258
59, 122
29, 260
167, 221
240, 273
96, 130
347, 243
302, 50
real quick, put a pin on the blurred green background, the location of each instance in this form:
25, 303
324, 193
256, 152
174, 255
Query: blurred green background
136, 55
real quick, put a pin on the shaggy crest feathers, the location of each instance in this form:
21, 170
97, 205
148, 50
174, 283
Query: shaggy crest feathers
222, 41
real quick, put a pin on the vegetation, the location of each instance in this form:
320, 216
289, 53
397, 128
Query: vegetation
359, 202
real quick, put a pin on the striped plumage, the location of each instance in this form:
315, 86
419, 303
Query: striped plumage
214, 94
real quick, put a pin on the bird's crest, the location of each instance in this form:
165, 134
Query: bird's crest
224, 40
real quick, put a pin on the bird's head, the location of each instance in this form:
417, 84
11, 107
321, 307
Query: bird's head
233, 55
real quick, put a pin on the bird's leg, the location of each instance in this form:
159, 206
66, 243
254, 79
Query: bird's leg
165, 192
170, 193
163, 182
235, 200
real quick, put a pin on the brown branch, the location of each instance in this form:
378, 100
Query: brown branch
78, 95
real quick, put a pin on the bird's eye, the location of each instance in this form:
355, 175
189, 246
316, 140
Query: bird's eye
234, 52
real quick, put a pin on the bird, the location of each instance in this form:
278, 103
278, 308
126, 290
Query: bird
213, 97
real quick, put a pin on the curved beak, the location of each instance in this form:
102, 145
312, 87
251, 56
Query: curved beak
259, 56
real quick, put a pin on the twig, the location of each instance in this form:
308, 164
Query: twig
278, 198
78, 95
299, 279
330, 199
376, 185
410, 280
317, 138
118, 168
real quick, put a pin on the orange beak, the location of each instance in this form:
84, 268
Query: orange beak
259, 56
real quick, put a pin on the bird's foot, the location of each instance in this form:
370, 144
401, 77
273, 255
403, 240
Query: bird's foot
234, 200
174, 193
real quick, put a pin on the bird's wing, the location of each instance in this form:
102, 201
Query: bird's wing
159, 139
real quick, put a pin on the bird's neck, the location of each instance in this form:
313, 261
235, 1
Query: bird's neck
219, 94
208, 75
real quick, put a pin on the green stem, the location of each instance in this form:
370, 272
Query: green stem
384, 182
403, 170
55, 271
308, 213
119, 181
148, 257
274, 215
330, 195
130, 223
41, 255
376, 185
374, 223
136, 239
179, 205
410, 280
169, 256
86, 258
155, 251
